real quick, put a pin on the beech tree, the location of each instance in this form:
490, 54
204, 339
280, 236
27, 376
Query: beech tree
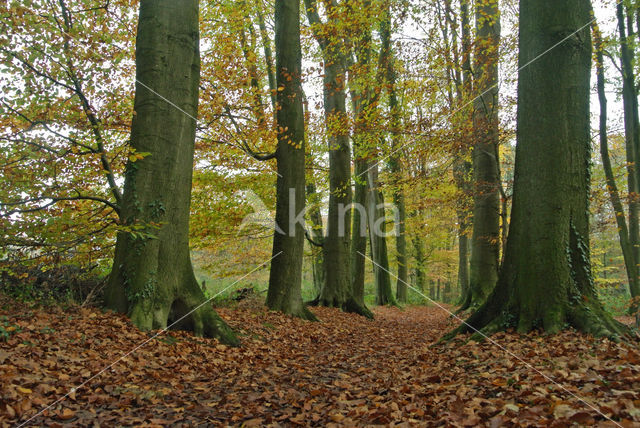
337, 290
485, 241
285, 276
545, 280
632, 147
152, 278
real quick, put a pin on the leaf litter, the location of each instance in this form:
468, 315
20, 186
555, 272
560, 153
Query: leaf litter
343, 371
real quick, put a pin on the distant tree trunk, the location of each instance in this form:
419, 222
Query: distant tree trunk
285, 276
485, 241
446, 294
152, 278
377, 232
632, 142
395, 165
545, 281
420, 263
337, 290
614, 195
317, 235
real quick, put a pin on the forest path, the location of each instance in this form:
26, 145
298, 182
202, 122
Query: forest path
344, 370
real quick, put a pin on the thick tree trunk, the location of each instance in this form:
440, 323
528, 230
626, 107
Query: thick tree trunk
485, 241
545, 281
152, 278
377, 232
632, 142
285, 277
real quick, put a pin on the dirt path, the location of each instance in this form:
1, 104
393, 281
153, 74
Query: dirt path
345, 370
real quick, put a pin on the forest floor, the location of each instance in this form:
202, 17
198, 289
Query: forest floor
343, 371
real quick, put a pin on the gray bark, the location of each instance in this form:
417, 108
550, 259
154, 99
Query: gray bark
485, 240
285, 276
152, 278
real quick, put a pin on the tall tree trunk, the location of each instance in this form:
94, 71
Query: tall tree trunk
337, 290
546, 280
362, 98
485, 241
614, 195
462, 167
152, 278
285, 277
395, 166
632, 142
359, 222
377, 232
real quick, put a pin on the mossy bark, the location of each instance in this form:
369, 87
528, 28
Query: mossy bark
545, 281
152, 278
285, 276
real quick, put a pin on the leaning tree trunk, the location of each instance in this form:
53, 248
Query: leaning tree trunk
152, 279
545, 281
485, 240
285, 277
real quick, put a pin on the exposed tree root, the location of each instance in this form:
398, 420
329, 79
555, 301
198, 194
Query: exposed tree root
587, 317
